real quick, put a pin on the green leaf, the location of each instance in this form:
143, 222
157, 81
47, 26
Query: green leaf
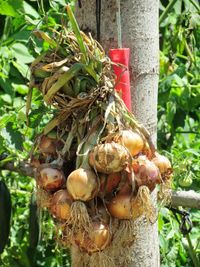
64, 78
21, 53
10, 7
6, 98
28, 9
14, 136
178, 80
77, 32
20, 88
36, 115
22, 68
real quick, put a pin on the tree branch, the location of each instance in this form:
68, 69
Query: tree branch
23, 168
188, 199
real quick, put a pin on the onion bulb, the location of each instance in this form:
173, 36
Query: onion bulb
47, 145
120, 206
162, 163
109, 158
109, 183
61, 205
50, 178
146, 173
82, 184
131, 140
97, 239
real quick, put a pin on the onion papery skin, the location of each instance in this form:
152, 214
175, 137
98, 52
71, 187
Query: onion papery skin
50, 178
109, 158
47, 145
131, 140
96, 240
146, 173
120, 206
108, 183
82, 184
60, 205
162, 163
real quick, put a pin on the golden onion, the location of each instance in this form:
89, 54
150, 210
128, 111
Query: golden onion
82, 184
162, 163
97, 239
109, 158
120, 206
60, 205
131, 140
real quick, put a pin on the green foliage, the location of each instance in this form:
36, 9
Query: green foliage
179, 121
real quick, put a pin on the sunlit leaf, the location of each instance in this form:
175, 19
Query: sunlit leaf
10, 7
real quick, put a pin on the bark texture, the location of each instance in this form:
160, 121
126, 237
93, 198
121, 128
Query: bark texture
139, 33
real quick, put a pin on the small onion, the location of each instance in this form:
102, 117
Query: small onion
60, 205
82, 184
109, 158
146, 173
162, 163
120, 206
47, 145
50, 178
131, 140
97, 239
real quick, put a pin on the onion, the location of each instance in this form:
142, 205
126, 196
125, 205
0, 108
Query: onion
82, 184
129, 184
61, 205
50, 178
109, 158
120, 206
131, 140
109, 183
146, 173
96, 240
47, 145
162, 163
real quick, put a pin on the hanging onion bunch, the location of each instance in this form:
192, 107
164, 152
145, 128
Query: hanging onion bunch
96, 165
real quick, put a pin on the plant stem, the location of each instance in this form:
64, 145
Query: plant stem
192, 252
167, 10
189, 51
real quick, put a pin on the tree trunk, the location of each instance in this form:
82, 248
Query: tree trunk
139, 33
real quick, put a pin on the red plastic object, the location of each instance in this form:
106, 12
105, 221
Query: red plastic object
121, 55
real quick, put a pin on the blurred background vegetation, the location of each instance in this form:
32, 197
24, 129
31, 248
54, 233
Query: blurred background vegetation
178, 124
